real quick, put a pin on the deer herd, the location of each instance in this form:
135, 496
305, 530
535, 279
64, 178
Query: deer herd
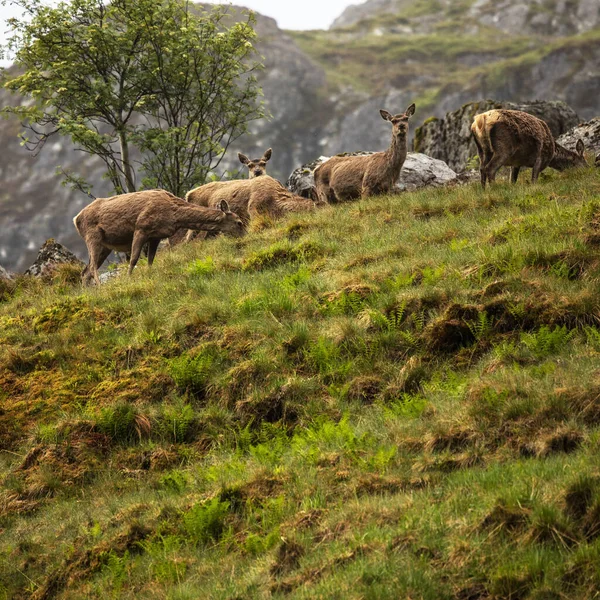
128, 222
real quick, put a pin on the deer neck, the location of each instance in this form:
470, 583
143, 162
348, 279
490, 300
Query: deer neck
396, 155
563, 158
199, 218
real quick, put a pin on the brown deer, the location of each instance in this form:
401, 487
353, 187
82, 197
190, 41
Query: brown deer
517, 139
126, 222
249, 198
258, 166
343, 178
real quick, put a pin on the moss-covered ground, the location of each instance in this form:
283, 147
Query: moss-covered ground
393, 398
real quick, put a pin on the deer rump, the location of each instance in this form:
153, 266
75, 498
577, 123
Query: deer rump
517, 141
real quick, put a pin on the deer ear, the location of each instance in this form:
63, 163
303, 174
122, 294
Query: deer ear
580, 148
410, 111
223, 205
243, 158
385, 115
267, 155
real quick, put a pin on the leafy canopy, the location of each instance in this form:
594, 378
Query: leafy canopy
156, 89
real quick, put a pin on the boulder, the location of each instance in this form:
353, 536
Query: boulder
51, 255
449, 139
588, 132
418, 171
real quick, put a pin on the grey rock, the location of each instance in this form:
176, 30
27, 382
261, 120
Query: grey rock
588, 132
449, 139
418, 171
110, 275
527, 17
50, 255
6, 275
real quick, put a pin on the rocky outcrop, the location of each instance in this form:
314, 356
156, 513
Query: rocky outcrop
418, 171
527, 17
449, 139
51, 255
588, 132
5, 275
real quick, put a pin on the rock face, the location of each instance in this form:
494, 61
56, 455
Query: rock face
588, 132
530, 17
449, 139
418, 171
51, 255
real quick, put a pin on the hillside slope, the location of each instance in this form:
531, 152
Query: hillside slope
397, 398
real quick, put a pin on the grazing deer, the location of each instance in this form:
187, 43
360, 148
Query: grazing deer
517, 139
258, 166
126, 222
249, 198
344, 178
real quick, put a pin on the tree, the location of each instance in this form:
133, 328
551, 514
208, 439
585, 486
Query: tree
157, 89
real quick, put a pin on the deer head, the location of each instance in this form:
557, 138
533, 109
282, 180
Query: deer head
567, 159
231, 225
399, 122
256, 167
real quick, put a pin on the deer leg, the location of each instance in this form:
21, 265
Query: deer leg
483, 161
152, 248
95, 250
514, 174
537, 168
139, 239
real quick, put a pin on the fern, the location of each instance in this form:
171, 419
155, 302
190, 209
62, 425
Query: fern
482, 327
546, 341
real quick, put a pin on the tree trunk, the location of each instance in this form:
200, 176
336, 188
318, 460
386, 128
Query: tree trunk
125, 164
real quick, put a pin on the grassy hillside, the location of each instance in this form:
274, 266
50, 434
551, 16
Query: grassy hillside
396, 398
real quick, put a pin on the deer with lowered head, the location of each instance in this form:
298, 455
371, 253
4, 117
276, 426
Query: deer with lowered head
516, 139
258, 166
250, 198
343, 178
128, 221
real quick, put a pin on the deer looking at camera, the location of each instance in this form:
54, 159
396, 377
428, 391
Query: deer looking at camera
516, 139
258, 166
128, 221
343, 178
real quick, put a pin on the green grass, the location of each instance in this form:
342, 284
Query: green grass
393, 398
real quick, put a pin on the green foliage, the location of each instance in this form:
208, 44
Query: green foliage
178, 420
122, 423
205, 522
95, 70
282, 253
202, 267
192, 370
546, 341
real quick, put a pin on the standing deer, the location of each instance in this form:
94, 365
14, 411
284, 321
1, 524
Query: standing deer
126, 222
343, 178
517, 139
258, 166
